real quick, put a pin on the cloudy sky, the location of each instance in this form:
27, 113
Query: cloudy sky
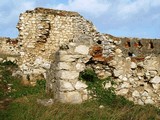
131, 18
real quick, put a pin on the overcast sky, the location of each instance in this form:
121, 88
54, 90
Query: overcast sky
131, 18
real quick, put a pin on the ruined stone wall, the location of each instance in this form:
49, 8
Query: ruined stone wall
136, 79
42, 32
58, 45
137, 47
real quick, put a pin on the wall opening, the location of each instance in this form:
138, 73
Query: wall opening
150, 45
99, 42
140, 44
128, 44
130, 54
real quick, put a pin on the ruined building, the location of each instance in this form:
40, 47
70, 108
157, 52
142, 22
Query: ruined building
57, 45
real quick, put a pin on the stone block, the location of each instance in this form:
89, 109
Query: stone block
149, 101
64, 66
46, 65
12, 59
80, 67
135, 94
133, 65
68, 75
125, 85
155, 80
117, 73
82, 49
80, 85
65, 86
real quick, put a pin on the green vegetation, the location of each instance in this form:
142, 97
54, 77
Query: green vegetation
102, 95
11, 87
25, 107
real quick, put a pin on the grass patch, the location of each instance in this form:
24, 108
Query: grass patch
26, 108
11, 86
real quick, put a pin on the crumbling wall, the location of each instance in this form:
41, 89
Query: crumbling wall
42, 32
58, 45
136, 79
136, 47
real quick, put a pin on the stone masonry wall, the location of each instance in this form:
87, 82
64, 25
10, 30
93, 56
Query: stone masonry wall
42, 32
58, 45
136, 46
136, 79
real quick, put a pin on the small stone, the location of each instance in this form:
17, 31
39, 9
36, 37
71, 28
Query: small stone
118, 51
140, 102
80, 85
66, 86
46, 65
136, 94
108, 85
133, 65
12, 59
149, 101
45, 102
85, 97
122, 92
101, 106
123, 78
82, 49
38, 61
125, 85
156, 86
155, 80
153, 73
64, 66
80, 66
117, 73
145, 94
113, 63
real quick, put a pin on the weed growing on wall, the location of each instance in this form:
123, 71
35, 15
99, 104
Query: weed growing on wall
99, 93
